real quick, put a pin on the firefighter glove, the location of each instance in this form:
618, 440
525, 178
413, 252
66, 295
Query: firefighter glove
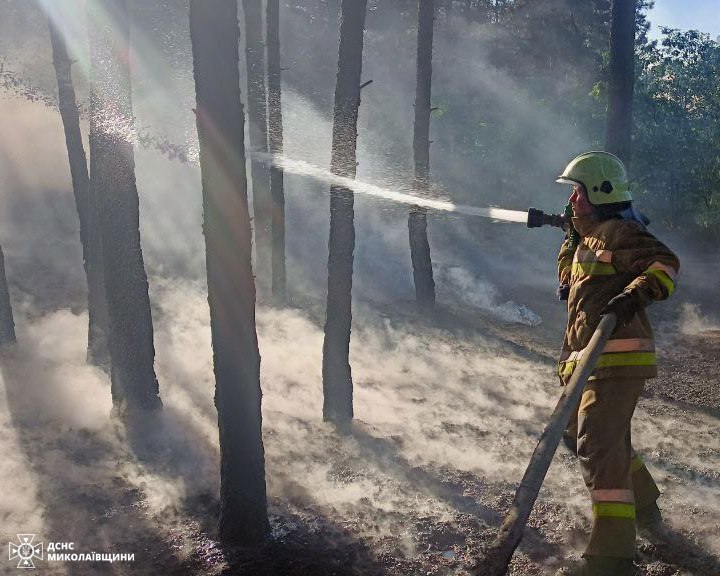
624, 306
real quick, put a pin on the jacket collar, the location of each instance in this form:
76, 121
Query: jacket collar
585, 224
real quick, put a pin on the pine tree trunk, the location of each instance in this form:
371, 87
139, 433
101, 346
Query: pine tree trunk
7, 324
417, 221
275, 128
98, 352
622, 79
337, 376
112, 170
214, 34
257, 117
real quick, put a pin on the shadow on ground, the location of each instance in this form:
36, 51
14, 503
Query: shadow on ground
304, 545
80, 484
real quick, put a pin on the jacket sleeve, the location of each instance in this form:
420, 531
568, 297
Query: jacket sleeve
564, 261
653, 265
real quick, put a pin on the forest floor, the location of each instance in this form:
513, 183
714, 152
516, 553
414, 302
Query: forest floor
447, 414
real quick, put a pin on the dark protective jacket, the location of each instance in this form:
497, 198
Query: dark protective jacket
613, 256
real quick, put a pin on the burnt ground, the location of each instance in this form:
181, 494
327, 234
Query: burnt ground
436, 517
689, 366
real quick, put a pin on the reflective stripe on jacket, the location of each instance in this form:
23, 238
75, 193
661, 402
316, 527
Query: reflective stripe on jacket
613, 256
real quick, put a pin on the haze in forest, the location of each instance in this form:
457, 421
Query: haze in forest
426, 398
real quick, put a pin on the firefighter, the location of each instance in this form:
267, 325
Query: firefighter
611, 263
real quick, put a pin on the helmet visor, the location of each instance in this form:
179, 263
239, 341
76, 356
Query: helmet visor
566, 180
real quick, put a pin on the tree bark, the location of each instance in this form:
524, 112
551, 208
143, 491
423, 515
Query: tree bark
337, 376
622, 79
98, 352
417, 221
112, 170
275, 128
257, 117
214, 34
7, 324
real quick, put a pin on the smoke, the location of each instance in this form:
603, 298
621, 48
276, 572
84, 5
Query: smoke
39, 229
171, 221
693, 321
476, 292
17, 477
446, 417
424, 400
164, 94
688, 479
413, 393
444, 426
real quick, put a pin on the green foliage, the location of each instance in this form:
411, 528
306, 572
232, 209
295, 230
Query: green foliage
556, 54
524, 83
676, 157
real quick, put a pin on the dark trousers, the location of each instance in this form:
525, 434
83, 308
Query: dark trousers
599, 434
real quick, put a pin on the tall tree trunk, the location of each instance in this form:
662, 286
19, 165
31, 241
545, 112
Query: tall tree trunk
98, 352
417, 221
214, 34
112, 173
7, 324
257, 117
337, 376
622, 79
275, 127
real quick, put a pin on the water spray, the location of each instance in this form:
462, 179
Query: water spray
302, 168
533, 218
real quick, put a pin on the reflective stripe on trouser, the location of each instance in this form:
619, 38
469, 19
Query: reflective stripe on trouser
645, 490
601, 429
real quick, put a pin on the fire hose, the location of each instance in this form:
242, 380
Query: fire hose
496, 559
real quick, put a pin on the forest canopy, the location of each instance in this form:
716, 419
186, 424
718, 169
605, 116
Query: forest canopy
555, 56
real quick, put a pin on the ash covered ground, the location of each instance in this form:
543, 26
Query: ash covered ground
448, 411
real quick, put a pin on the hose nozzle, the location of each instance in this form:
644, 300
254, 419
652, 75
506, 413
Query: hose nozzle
537, 218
